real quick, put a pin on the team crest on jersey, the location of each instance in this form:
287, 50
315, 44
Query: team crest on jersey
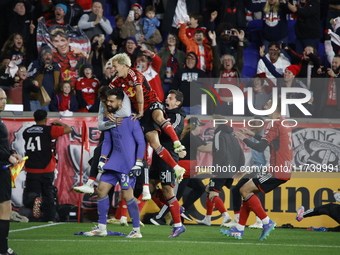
73, 62
94, 84
130, 92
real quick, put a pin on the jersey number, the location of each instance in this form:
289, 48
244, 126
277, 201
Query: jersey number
32, 145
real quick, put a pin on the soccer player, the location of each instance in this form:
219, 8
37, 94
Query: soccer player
279, 140
227, 152
127, 146
160, 172
148, 109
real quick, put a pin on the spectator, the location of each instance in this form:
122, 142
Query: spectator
123, 6
40, 165
227, 41
97, 56
150, 22
21, 89
172, 60
151, 71
87, 89
182, 82
60, 11
69, 59
115, 36
73, 13
275, 27
202, 50
108, 75
307, 26
95, 23
134, 28
279, 61
132, 49
228, 70
327, 93
47, 73
64, 102
15, 50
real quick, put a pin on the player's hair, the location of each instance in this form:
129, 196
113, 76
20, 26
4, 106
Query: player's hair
122, 59
150, 8
39, 115
115, 92
58, 31
102, 92
178, 94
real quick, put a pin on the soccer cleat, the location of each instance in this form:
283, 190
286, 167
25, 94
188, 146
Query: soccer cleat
84, 189
186, 216
146, 193
231, 224
134, 234
179, 174
10, 252
300, 211
205, 221
113, 220
141, 224
96, 232
176, 231
178, 147
226, 219
322, 229
123, 221
257, 224
158, 222
267, 228
17, 217
37, 207
233, 232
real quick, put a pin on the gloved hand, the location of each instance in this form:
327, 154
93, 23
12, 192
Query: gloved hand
137, 169
102, 161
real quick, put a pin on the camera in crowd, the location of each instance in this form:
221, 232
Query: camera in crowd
229, 32
50, 67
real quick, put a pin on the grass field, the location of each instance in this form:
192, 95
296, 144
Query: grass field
59, 238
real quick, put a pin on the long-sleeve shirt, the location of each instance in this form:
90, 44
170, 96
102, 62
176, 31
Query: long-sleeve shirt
126, 143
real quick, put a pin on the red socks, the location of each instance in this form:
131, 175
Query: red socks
219, 204
244, 213
165, 155
210, 206
255, 204
169, 130
175, 210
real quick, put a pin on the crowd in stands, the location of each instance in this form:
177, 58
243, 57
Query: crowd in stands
252, 44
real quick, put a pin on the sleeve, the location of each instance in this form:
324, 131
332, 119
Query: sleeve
107, 144
57, 131
271, 67
106, 25
156, 63
74, 104
155, 38
54, 104
216, 62
84, 22
183, 36
310, 10
139, 138
260, 67
261, 146
272, 133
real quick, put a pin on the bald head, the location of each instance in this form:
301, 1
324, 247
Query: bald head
3, 99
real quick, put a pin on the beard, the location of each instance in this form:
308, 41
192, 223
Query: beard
112, 109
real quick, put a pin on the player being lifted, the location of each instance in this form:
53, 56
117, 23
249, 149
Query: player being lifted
148, 109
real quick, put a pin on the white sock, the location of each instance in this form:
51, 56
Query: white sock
176, 225
89, 182
225, 215
265, 220
136, 229
207, 217
102, 227
236, 217
240, 227
258, 220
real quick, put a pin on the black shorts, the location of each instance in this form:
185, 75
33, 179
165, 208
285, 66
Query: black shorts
216, 184
266, 182
160, 170
5, 185
147, 122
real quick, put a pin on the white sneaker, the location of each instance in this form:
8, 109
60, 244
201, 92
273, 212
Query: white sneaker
17, 217
226, 219
205, 221
257, 224
146, 193
96, 232
231, 224
134, 234
123, 221
84, 189
113, 220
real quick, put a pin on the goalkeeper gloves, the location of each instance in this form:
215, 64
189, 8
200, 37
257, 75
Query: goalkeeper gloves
137, 169
102, 161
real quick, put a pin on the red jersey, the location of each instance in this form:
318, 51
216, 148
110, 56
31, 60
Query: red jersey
89, 89
69, 66
128, 84
280, 143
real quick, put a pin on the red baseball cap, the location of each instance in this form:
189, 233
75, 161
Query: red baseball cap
137, 5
